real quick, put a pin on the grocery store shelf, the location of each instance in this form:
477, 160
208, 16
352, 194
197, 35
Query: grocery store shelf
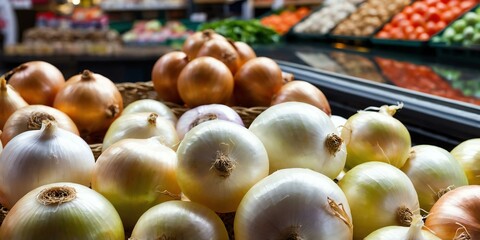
143, 6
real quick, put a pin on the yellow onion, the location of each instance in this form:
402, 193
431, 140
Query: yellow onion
179, 220
376, 136
223, 51
38, 82
165, 75
141, 126
39, 157
379, 195
62, 210
194, 42
151, 106
468, 154
456, 214
414, 232
245, 52
301, 91
433, 172
218, 161
91, 100
135, 175
1, 145
299, 135
10, 101
31, 118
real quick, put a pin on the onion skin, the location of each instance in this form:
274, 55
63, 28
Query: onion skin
88, 216
179, 220
205, 80
38, 82
456, 214
223, 51
21, 121
257, 81
165, 74
194, 42
149, 106
245, 52
91, 100
301, 91
468, 154
414, 232
10, 101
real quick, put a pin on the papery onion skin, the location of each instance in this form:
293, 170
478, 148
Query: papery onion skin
38, 82
376, 136
30, 118
179, 220
88, 216
376, 192
205, 80
141, 126
456, 214
150, 105
194, 42
44, 156
468, 154
257, 81
338, 121
414, 232
301, 91
218, 161
433, 171
245, 52
135, 175
91, 100
10, 101
294, 204
197, 115
299, 135
165, 74
223, 51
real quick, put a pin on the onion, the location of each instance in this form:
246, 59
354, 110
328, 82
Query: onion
414, 232
31, 118
141, 126
245, 52
200, 114
257, 81
179, 220
205, 80
165, 75
38, 82
456, 214
299, 135
39, 157
150, 106
468, 154
294, 204
338, 121
194, 42
433, 172
301, 91
376, 136
62, 210
135, 175
379, 195
91, 100
223, 51
10, 101
218, 161
287, 77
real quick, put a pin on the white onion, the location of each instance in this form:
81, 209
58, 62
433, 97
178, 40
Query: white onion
468, 154
135, 175
338, 121
179, 220
200, 114
62, 210
150, 106
141, 126
294, 203
414, 232
38, 157
297, 134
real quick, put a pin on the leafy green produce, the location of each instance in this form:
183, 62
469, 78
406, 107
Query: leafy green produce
248, 31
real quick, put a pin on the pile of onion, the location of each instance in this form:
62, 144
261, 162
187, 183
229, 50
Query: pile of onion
194, 42
10, 101
165, 74
38, 82
468, 154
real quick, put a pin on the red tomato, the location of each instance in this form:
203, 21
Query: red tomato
400, 17
456, 11
420, 7
419, 30
403, 24
387, 27
397, 34
445, 1
408, 30
433, 14
417, 20
424, 36
431, 2
440, 26
441, 7
412, 36
447, 16
383, 34
453, 4
408, 11
466, 5
431, 28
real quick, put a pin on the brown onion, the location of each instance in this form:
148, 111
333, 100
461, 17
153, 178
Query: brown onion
245, 52
257, 81
301, 91
37, 82
165, 75
194, 42
205, 80
10, 101
456, 215
31, 118
223, 51
91, 100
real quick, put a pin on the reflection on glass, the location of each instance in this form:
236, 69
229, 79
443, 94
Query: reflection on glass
357, 66
320, 61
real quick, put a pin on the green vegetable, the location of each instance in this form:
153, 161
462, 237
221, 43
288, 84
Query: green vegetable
471, 18
448, 34
459, 25
468, 32
458, 38
248, 31
476, 38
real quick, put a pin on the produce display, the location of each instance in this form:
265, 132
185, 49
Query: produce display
464, 31
468, 82
369, 17
248, 31
357, 66
154, 32
425, 18
284, 20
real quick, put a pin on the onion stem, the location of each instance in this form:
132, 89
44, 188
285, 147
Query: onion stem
36, 120
49, 128
339, 211
333, 142
203, 118
152, 119
405, 216
293, 233
112, 110
87, 75
56, 195
223, 164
